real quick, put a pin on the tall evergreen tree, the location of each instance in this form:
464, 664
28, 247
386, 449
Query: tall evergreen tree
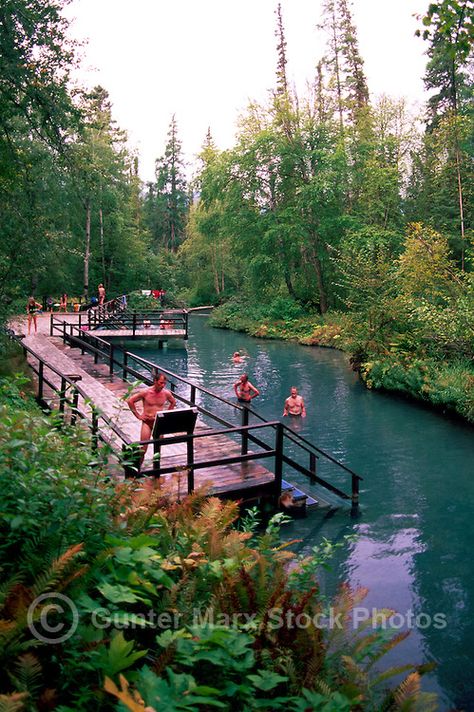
449, 29
171, 194
344, 63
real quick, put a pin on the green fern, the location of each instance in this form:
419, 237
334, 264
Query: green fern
54, 577
27, 676
14, 702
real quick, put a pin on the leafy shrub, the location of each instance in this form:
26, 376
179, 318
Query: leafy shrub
51, 496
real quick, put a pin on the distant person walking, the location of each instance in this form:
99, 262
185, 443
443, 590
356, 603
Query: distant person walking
101, 292
32, 308
63, 303
244, 390
294, 404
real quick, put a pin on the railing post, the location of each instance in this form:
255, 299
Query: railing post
75, 397
186, 325
278, 458
62, 395
312, 467
190, 459
40, 380
51, 324
64, 332
156, 458
75, 403
124, 365
80, 321
131, 456
192, 396
111, 359
94, 430
244, 447
134, 324
355, 495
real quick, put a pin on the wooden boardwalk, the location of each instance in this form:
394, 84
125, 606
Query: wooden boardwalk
83, 372
108, 393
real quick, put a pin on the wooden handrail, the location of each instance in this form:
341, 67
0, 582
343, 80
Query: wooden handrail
72, 381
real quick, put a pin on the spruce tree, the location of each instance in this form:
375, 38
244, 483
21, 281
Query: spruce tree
171, 197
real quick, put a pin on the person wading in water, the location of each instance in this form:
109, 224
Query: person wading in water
294, 405
244, 390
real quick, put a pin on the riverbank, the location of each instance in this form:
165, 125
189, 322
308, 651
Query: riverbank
444, 385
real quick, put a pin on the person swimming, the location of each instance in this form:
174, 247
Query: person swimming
236, 357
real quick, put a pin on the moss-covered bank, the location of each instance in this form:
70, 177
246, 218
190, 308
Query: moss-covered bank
448, 385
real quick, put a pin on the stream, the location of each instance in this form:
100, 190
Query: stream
413, 546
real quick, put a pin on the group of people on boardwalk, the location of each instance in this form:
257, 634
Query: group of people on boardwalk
33, 307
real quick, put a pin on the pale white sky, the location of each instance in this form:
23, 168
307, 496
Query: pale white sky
204, 59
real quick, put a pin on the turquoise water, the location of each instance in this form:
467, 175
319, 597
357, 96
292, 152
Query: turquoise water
415, 531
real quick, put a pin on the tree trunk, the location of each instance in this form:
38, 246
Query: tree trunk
461, 203
337, 71
101, 237
214, 269
87, 251
309, 256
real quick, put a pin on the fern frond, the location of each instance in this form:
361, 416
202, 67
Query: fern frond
391, 672
7, 586
323, 687
13, 703
27, 675
386, 646
52, 577
407, 691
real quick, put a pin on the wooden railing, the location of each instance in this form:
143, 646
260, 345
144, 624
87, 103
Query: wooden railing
189, 467
68, 391
114, 315
128, 364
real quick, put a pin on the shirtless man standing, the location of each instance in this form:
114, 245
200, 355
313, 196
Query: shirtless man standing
244, 390
101, 292
153, 400
294, 405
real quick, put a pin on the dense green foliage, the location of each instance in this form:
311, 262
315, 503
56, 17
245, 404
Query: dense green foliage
165, 604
